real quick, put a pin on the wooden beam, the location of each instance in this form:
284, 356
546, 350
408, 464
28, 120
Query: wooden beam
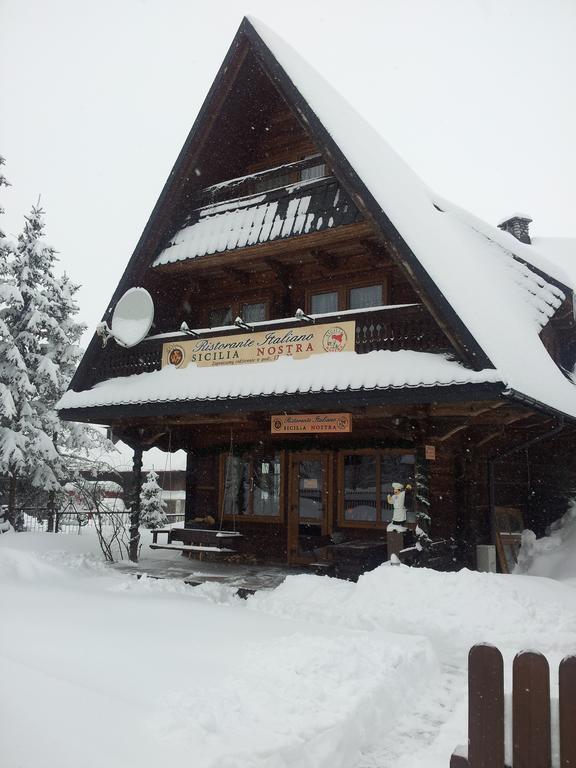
376, 253
467, 423
283, 246
327, 261
281, 271
238, 274
505, 424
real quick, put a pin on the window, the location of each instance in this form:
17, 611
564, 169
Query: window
324, 302
360, 487
365, 480
220, 316
315, 171
253, 313
356, 297
251, 484
366, 296
273, 181
250, 312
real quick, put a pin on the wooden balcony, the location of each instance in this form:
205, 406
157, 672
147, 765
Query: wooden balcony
292, 201
392, 328
257, 183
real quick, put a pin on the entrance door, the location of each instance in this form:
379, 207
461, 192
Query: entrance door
309, 506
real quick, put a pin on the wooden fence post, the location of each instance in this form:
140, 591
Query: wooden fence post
485, 707
567, 704
531, 745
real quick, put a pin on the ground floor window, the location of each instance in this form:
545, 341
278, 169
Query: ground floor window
347, 488
251, 484
365, 481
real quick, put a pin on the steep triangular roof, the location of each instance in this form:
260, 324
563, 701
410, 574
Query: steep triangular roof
475, 279
482, 275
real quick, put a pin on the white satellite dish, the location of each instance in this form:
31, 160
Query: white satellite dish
132, 318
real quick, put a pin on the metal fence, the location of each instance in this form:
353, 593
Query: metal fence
71, 523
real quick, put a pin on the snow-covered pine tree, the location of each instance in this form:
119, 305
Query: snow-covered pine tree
16, 389
422, 499
152, 506
40, 320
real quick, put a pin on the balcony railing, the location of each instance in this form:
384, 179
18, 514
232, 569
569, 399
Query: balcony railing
391, 328
263, 181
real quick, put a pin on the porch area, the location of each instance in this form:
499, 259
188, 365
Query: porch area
245, 579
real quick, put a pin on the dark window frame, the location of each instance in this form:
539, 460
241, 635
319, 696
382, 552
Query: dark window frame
382, 505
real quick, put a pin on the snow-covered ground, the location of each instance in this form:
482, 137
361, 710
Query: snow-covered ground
101, 669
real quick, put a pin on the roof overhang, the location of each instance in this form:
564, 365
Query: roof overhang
108, 414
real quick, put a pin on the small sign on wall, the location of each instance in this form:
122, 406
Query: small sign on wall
311, 423
430, 452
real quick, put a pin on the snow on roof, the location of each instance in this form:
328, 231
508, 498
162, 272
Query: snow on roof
468, 260
561, 251
291, 210
321, 373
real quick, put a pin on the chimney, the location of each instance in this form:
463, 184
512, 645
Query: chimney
519, 226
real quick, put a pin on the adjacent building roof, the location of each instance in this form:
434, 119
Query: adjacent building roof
561, 252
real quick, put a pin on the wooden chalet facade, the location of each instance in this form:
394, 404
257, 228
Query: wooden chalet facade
351, 366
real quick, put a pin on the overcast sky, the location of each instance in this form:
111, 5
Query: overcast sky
97, 98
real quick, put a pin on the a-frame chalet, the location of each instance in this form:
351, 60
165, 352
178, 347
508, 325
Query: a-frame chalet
355, 351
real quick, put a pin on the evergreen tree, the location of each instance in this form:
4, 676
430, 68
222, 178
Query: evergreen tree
423, 519
16, 389
152, 506
38, 356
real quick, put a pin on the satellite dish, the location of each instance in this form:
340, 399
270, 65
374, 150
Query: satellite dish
133, 317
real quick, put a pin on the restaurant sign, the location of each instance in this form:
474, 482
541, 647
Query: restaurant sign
307, 423
261, 346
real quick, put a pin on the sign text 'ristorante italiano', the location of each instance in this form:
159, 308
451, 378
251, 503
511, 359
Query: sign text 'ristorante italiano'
261, 346
311, 423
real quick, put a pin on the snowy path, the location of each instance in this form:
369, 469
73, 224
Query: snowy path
317, 673
426, 734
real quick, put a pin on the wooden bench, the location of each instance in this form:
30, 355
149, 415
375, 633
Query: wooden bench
191, 548
194, 539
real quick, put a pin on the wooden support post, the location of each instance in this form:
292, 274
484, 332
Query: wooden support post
394, 542
51, 512
485, 707
567, 703
531, 746
191, 503
12, 504
135, 510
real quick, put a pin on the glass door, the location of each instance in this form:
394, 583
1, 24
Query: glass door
308, 509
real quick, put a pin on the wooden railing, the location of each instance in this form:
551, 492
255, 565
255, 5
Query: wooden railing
531, 711
407, 327
271, 178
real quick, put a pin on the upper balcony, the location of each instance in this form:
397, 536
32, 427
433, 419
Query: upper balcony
395, 327
289, 201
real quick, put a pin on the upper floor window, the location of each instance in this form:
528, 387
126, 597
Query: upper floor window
253, 313
357, 297
315, 171
220, 316
324, 302
366, 296
250, 312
